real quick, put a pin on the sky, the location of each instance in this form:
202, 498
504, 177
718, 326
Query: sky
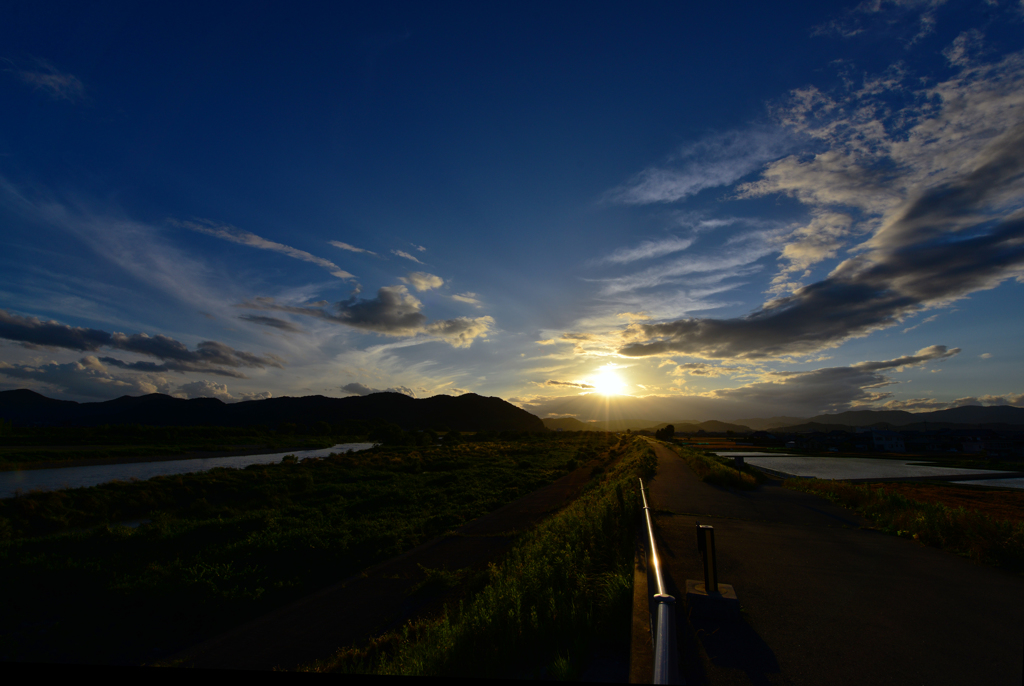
660, 210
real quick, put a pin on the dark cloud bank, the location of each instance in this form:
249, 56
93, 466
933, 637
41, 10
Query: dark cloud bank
945, 244
209, 357
393, 312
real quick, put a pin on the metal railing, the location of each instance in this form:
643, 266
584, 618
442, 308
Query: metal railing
663, 630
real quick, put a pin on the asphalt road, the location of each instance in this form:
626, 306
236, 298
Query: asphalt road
825, 601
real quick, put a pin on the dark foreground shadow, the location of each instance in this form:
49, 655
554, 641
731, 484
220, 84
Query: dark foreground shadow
719, 648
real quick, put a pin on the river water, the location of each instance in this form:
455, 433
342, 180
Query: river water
78, 477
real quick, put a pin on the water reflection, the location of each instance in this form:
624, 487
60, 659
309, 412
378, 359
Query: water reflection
861, 468
80, 477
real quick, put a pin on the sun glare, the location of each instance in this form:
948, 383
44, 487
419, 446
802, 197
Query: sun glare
607, 382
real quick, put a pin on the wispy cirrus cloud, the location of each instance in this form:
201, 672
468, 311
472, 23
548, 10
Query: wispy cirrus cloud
910, 20
670, 271
236, 235
571, 384
647, 250
717, 160
469, 298
351, 248
402, 253
273, 322
45, 77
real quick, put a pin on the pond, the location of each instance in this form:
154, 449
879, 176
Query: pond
78, 477
862, 468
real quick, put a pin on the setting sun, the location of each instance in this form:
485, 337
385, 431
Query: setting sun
608, 382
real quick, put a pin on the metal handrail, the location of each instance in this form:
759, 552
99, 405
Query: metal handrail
664, 632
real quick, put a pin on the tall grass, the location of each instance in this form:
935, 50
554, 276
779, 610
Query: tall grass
714, 470
564, 585
223, 546
960, 530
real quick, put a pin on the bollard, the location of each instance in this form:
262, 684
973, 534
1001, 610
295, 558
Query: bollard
710, 597
706, 546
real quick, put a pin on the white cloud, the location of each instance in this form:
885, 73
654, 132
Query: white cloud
205, 389
87, 377
422, 281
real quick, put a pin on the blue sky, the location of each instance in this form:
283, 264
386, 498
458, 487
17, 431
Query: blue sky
668, 211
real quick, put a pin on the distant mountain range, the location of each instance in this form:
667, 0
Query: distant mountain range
468, 412
1004, 415
573, 424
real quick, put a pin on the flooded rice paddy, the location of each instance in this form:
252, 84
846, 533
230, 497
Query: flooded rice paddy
864, 468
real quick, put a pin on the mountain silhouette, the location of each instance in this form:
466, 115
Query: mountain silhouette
468, 412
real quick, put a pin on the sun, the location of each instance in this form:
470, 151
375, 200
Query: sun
608, 382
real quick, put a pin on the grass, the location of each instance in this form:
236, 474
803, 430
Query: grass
227, 545
718, 471
564, 586
964, 531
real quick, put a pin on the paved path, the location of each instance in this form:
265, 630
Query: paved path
827, 602
367, 604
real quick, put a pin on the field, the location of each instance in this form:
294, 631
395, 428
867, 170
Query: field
562, 594
218, 548
984, 526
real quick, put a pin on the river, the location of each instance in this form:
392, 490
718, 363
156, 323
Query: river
79, 477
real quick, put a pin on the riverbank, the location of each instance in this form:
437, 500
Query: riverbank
194, 455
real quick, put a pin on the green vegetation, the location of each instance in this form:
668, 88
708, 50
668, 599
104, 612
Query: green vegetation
718, 471
224, 546
564, 586
959, 530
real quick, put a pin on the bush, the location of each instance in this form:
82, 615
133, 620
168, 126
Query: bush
710, 469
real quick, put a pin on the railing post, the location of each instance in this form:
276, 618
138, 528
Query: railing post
666, 668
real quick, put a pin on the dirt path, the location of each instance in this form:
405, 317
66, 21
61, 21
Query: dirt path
361, 606
825, 601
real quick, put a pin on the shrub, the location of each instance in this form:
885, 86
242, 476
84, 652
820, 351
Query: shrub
959, 530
